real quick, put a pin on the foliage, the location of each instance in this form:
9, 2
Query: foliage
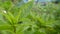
29, 18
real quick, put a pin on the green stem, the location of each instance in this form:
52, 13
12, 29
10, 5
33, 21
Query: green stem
14, 27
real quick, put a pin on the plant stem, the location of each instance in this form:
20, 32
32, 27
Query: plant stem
14, 29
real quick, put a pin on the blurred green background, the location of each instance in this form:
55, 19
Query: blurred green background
29, 17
